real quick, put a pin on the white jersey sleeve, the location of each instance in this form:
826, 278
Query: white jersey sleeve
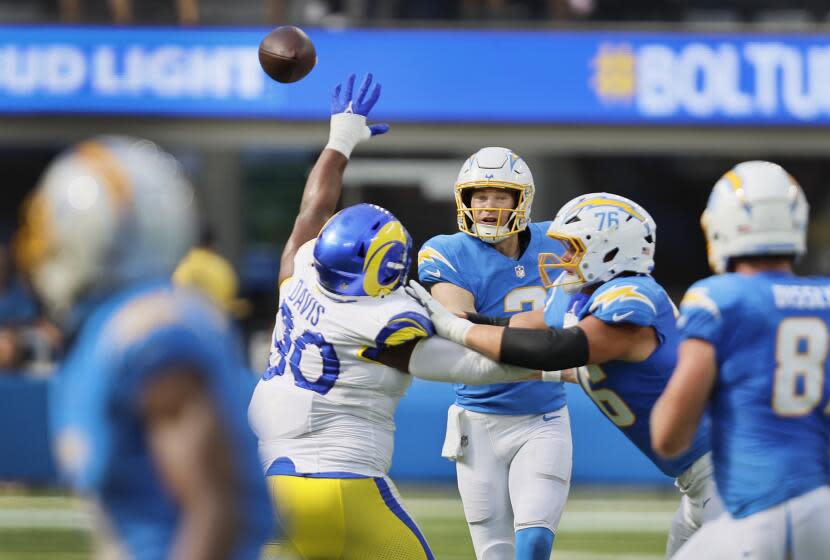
324, 404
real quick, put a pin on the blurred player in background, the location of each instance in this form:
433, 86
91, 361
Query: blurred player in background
147, 410
754, 351
206, 271
511, 443
345, 337
607, 313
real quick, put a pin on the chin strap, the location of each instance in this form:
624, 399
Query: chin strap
494, 235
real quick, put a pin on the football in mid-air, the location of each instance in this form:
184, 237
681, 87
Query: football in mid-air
287, 54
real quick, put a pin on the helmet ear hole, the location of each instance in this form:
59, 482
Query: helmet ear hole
609, 256
361, 251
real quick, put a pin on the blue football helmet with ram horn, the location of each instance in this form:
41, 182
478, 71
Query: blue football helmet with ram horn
107, 212
363, 250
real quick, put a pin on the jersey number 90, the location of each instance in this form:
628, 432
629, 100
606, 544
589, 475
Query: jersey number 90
800, 352
290, 350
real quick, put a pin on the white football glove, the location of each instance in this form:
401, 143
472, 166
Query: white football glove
447, 325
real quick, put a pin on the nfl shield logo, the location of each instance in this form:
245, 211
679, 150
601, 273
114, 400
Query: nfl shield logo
520, 271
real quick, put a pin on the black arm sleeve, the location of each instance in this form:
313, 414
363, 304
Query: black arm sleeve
479, 319
547, 350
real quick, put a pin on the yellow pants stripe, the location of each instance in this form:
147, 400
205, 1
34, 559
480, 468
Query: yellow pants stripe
346, 519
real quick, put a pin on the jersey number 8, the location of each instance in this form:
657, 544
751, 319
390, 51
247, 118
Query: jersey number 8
290, 351
800, 354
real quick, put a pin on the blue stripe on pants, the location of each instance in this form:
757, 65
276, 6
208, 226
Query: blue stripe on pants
397, 509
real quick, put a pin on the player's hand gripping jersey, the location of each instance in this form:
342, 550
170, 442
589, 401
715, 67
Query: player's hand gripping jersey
771, 400
95, 413
324, 406
625, 392
502, 287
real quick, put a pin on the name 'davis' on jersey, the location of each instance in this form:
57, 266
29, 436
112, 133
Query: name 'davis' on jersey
301, 299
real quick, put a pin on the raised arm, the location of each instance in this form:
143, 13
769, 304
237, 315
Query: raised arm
322, 189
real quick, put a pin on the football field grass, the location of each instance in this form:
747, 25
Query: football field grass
597, 525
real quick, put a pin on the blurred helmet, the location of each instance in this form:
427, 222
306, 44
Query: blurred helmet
496, 168
602, 236
212, 275
363, 250
755, 209
106, 213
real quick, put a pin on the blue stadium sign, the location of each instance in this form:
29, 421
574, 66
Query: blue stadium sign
432, 76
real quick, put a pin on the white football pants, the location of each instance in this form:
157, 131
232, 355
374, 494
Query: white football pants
798, 529
514, 472
699, 503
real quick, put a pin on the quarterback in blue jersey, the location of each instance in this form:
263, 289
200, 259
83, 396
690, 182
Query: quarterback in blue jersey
148, 410
754, 349
346, 338
511, 442
605, 312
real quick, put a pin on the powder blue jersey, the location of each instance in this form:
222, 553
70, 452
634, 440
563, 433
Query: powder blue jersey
502, 287
625, 391
771, 401
99, 436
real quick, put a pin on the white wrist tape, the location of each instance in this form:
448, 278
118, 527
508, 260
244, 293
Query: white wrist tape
552, 376
346, 131
454, 329
438, 359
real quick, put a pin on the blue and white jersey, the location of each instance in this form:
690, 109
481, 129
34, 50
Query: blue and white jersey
100, 441
770, 409
502, 287
324, 406
625, 392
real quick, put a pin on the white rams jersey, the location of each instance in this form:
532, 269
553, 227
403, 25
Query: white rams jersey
323, 406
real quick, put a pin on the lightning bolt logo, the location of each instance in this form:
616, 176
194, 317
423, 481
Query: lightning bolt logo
591, 202
699, 297
620, 293
428, 254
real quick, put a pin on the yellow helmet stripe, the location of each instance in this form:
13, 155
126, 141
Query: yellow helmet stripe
610, 202
35, 238
736, 183
101, 159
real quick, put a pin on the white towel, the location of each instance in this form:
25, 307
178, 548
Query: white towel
453, 449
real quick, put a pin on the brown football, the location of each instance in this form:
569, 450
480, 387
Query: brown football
287, 54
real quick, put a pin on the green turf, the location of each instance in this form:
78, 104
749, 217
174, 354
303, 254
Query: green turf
44, 544
597, 525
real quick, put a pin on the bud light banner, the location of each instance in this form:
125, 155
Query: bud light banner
427, 76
